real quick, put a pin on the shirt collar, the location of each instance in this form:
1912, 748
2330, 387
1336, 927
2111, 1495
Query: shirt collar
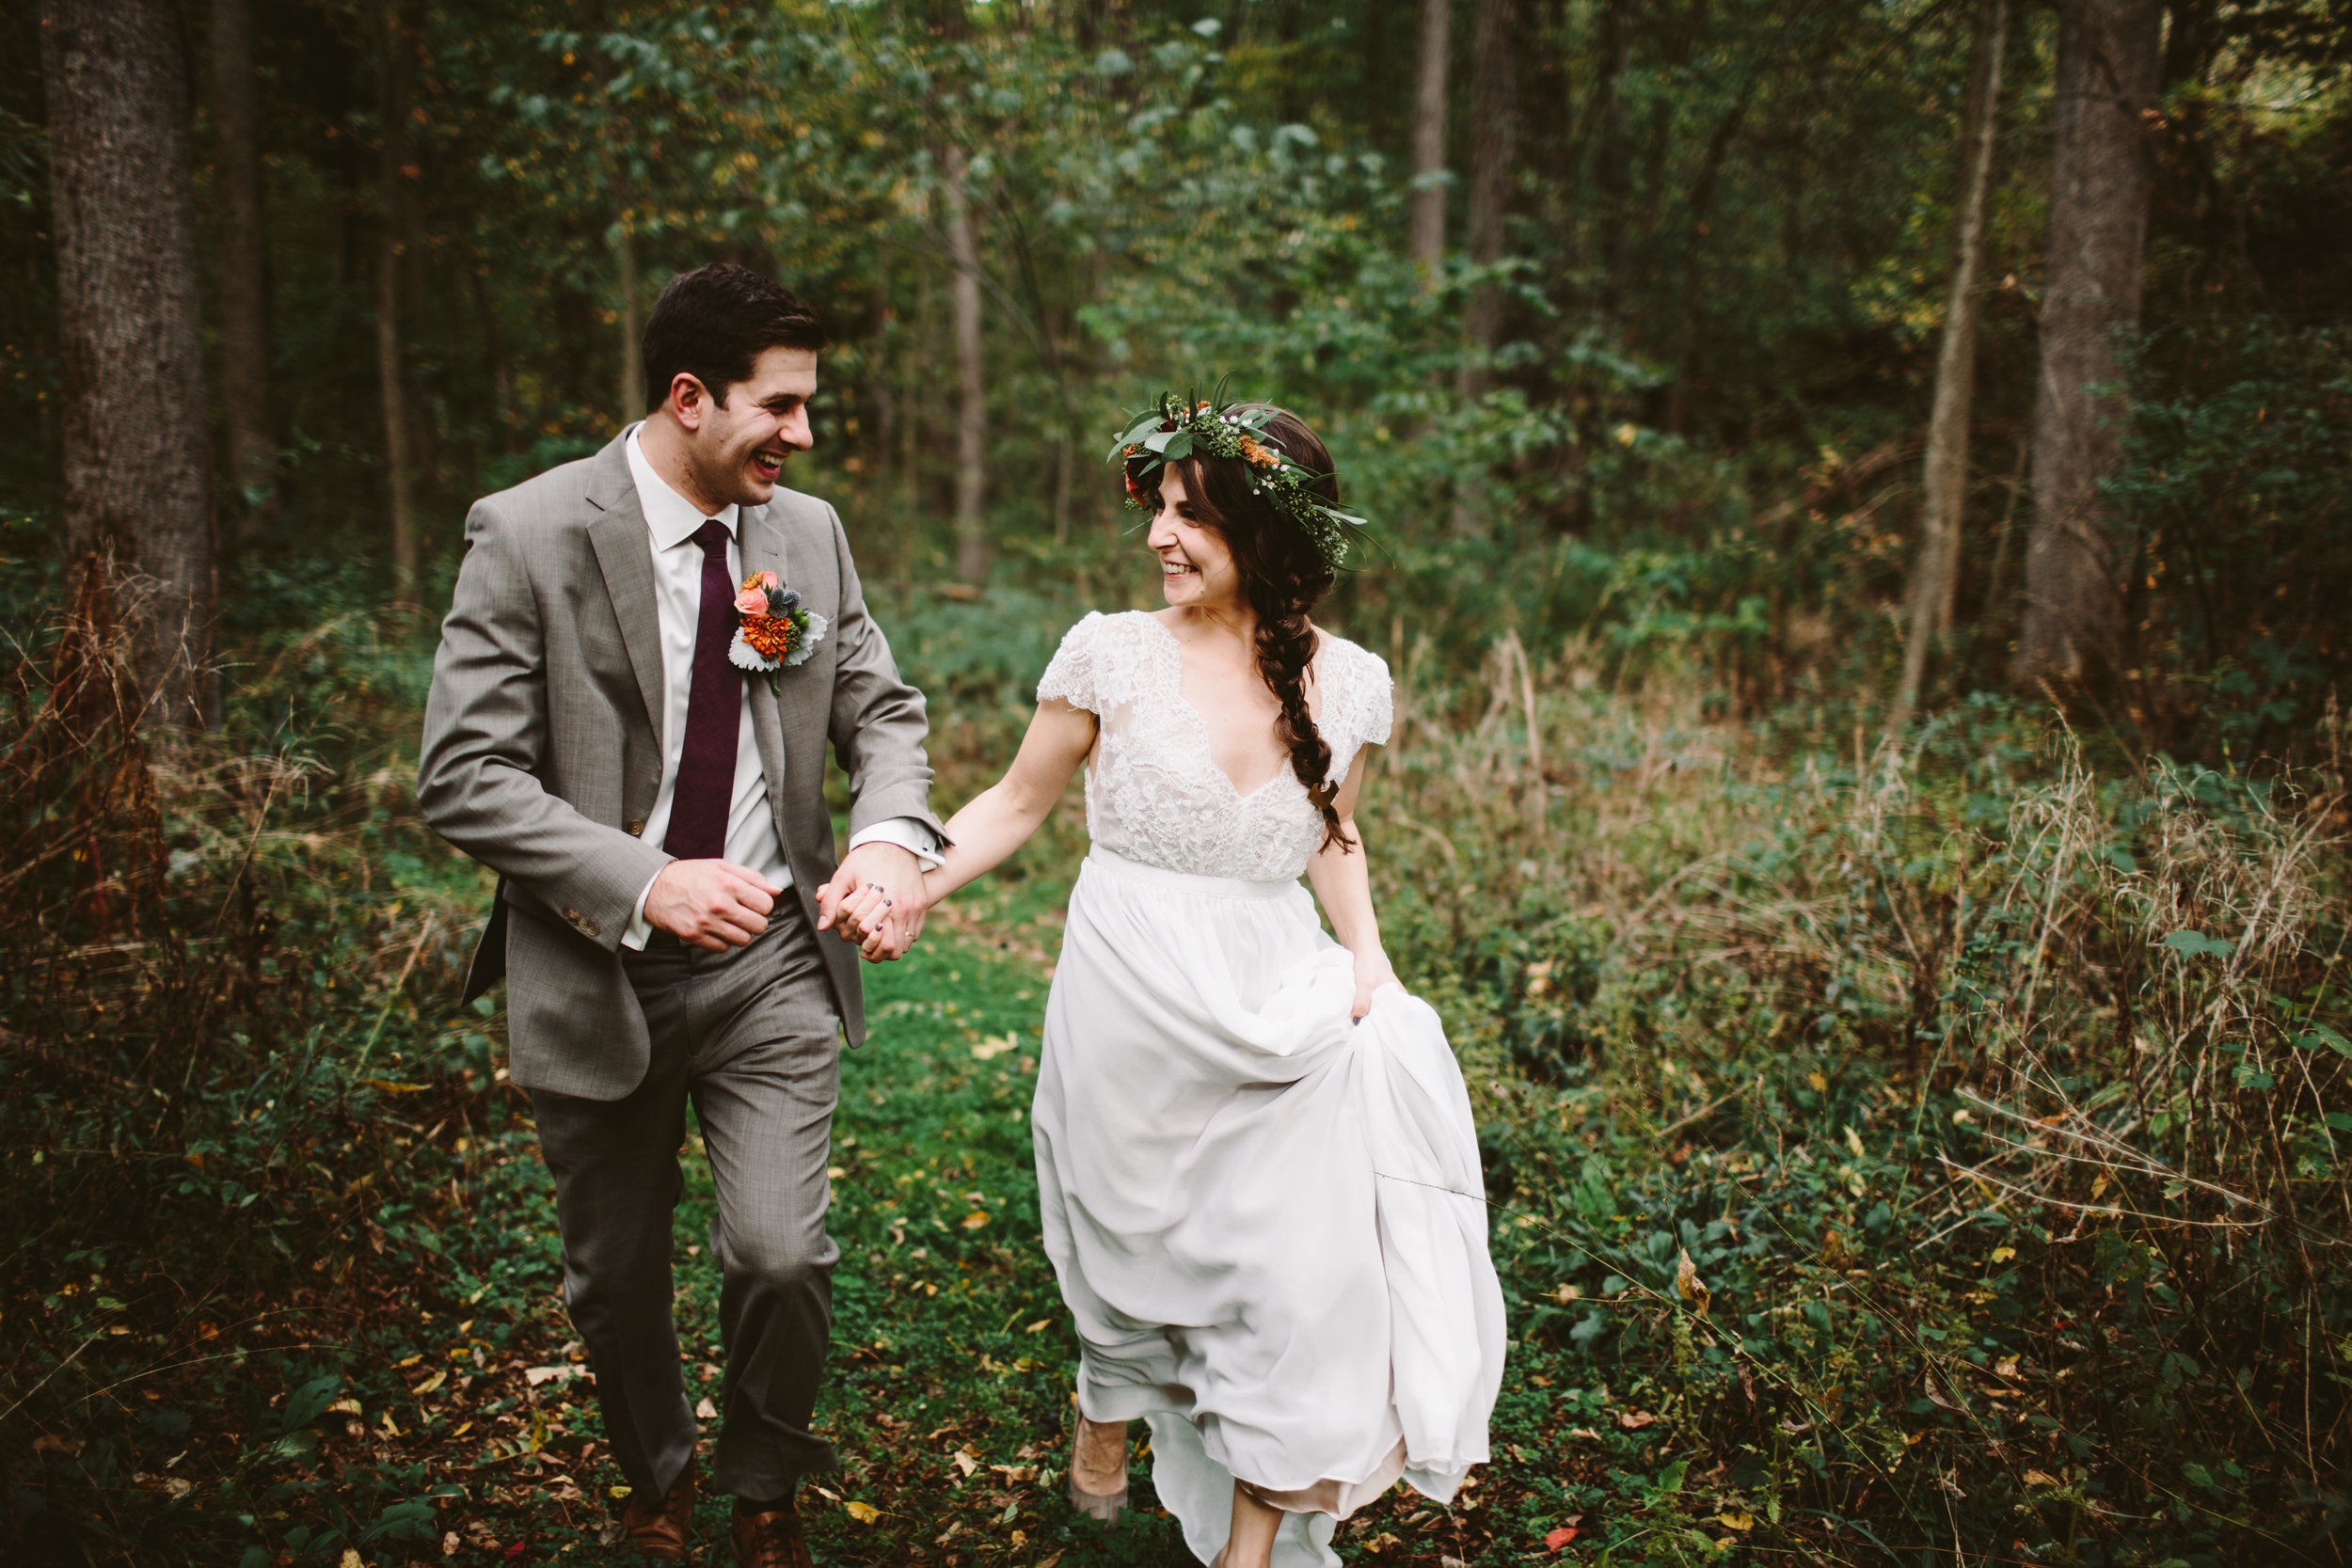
670, 517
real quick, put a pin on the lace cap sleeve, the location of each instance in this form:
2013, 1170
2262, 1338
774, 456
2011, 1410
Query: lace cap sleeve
1366, 705
1076, 675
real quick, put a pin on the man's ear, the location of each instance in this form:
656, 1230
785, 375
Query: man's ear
688, 401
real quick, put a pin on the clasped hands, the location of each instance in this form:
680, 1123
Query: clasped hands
875, 900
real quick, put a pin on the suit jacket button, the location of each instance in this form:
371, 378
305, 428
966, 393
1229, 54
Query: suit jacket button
637, 828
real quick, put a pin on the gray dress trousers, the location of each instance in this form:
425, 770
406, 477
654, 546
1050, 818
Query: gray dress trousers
752, 1036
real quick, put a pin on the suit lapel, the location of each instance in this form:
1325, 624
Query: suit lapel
625, 556
762, 543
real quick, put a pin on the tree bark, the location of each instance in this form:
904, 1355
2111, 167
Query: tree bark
138, 479
1426, 242
972, 408
2100, 170
1494, 110
634, 402
242, 252
1944, 480
1610, 157
395, 81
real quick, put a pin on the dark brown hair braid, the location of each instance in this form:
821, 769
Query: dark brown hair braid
1283, 575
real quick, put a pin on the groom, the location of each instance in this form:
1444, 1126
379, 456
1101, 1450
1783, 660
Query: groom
657, 822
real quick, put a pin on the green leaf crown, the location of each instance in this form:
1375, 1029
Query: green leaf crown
1177, 429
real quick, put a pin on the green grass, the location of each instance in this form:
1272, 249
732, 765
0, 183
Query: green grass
951, 1384
952, 1358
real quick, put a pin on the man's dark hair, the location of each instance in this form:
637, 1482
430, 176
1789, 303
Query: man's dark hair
715, 322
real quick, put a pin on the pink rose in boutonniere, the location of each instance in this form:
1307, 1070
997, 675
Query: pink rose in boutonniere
776, 632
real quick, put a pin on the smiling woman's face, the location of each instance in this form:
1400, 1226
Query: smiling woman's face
1196, 567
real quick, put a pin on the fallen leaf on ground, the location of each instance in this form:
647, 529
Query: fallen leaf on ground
1559, 1538
1689, 1287
2036, 1478
533, 1376
706, 1410
1634, 1420
864, 1514
1584, 1431
965, 1462
1736, 1521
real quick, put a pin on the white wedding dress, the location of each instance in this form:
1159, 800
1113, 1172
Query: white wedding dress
1269, 1221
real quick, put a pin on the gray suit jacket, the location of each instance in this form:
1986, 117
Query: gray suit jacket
543, 748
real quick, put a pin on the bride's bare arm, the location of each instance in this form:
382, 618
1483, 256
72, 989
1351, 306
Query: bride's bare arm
1001, 817
1342, 883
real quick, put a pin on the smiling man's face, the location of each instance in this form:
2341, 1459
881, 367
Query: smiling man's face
739, 450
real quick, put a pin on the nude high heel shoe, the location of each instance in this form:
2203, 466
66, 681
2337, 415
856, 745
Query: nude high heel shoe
1096, 1505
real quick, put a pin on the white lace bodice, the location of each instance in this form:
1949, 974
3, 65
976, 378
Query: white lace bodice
1154, 793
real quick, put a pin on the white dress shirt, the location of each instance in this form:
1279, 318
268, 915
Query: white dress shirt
671, 523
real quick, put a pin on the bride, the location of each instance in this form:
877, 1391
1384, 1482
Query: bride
1256, 1158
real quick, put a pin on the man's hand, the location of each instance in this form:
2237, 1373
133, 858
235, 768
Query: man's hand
876, 900
713, 904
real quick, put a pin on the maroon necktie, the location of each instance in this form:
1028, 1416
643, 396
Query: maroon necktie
714, 715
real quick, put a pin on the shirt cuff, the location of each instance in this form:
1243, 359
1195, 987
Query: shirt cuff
908, 834
640, 928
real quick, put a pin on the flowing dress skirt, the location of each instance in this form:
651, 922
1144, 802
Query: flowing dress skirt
1267, 1220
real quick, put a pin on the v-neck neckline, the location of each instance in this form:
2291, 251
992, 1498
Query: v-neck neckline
1201, 722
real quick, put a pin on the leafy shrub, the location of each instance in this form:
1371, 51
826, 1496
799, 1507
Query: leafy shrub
216, 1086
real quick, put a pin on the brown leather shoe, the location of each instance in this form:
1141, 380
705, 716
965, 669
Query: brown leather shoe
771, 1540
657, 1527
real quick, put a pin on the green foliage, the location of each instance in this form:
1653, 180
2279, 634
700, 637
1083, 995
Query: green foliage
2235, 486
1993, 1098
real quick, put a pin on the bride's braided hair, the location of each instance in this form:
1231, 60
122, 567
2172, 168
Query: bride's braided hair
1283, 575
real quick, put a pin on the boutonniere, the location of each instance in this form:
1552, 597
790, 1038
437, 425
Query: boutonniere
776, 631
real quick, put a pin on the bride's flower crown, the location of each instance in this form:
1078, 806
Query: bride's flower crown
1177, 429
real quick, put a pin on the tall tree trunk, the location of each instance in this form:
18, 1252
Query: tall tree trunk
972, 408
1944, 480
2100, 173
634, 402
395, 80
1426, 243
879, 371
1610, 157
138, 479
1494, 109
252, 436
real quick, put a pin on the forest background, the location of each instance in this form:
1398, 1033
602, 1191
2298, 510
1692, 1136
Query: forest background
1862, 529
